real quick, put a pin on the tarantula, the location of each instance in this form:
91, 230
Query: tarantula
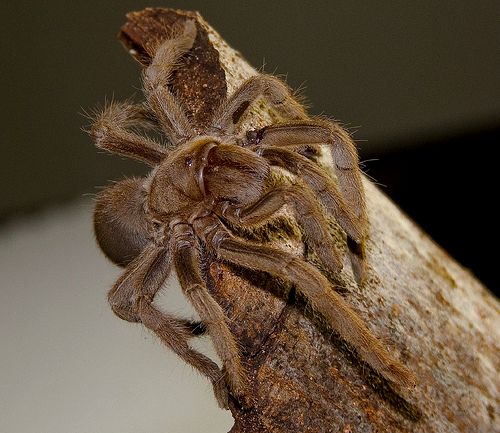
208, 181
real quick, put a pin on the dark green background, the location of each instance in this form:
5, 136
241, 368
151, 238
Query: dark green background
419, 80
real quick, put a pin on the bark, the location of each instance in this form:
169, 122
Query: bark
434, 315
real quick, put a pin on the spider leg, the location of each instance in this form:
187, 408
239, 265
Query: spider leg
271, 88
187, 266
111, 132
165, 58
299, 133
131, 298
307, 212
175, 337
325, 189
316, 289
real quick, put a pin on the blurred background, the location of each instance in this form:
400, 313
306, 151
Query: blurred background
418, 84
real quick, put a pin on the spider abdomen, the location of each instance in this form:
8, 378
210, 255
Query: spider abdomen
120, 223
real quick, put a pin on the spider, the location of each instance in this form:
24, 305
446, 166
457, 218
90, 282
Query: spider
207, 181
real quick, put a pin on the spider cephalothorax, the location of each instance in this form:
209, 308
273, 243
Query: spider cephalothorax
206, 182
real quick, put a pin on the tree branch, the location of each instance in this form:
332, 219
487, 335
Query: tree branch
436, 317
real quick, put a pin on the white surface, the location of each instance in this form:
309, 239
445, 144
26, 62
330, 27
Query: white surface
67, 363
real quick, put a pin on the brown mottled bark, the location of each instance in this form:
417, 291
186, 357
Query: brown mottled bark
440, 321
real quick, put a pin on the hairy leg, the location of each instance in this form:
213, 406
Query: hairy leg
131, 299
271, 88
249, 200
307, 212
175, 337
165, 58
187, 266
112, 132
345, 157
318, 180
298, 131
316, 289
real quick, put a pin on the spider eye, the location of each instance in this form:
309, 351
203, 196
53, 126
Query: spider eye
120, 222
189, 161
252, 136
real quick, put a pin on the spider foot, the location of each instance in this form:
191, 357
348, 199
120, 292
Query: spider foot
239, 386
221, 393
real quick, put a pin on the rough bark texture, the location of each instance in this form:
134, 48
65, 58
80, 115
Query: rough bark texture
440, 321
